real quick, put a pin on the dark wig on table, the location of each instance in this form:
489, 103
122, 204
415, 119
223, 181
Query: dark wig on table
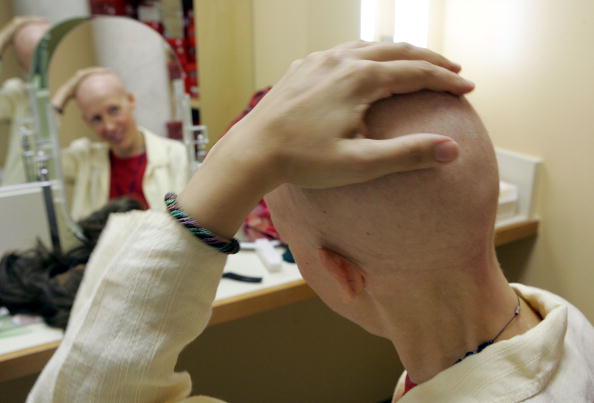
41, 282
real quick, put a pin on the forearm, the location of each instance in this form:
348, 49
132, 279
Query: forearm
147, 293
228, 185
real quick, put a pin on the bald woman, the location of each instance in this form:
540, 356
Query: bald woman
22, 33
129, 160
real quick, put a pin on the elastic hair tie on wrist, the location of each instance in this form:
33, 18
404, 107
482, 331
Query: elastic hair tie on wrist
220, 244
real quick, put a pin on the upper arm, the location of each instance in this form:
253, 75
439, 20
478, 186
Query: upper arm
70, 156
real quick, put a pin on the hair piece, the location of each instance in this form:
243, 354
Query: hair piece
40, 282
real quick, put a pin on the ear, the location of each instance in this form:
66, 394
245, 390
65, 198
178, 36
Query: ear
131, 99
347, 274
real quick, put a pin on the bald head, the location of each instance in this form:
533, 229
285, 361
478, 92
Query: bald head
26, 39
419, 220
108, 109
95, 87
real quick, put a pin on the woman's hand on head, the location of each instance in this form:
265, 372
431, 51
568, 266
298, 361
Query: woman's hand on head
308, 129
67, 91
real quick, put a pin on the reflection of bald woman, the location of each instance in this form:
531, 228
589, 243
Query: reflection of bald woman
26, 38
23, 33
129, 160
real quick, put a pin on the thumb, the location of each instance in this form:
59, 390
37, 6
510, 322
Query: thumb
400, 154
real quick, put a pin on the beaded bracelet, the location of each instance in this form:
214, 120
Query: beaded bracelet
222, 245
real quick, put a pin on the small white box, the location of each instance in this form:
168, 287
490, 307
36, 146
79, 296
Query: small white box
269, 256
522, 171
508, 201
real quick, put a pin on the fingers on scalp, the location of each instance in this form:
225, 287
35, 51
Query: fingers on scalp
366, 78
380, 157
376, 80
332, 58
441, 79
413, 75
353, 45
437, 59
404, 51
361, 70
416, 53
357, 159
407, 50
384, 51
340, 52
415, 154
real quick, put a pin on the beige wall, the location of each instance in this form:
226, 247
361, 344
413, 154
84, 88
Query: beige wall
533, 64
285, 30
245, 45
75, 51
225, 58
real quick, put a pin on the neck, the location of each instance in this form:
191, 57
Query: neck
433, 321
134, 147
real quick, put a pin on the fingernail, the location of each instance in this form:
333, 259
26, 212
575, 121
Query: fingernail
456, 66
469, 83
446, 151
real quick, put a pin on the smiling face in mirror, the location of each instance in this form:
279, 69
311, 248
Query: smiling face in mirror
108, 109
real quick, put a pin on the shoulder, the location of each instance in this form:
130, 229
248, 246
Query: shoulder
79, 144
85, 146
546, 302
576, 352
14, 89
540, 295
13, 84
158, 146
151, 137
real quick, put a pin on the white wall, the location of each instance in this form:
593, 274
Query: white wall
53, 10
138, 55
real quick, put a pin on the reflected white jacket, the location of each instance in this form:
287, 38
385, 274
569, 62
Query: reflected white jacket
85, 165
14, 106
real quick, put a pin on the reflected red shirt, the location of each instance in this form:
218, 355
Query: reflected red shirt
408, 384
126, 177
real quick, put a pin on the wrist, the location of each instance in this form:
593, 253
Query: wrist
247, 150
222, 193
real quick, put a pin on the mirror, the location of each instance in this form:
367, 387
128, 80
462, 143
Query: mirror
145, 102
19, 37
128, 130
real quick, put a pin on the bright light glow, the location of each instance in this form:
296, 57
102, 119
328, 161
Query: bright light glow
411, 21
369, 20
